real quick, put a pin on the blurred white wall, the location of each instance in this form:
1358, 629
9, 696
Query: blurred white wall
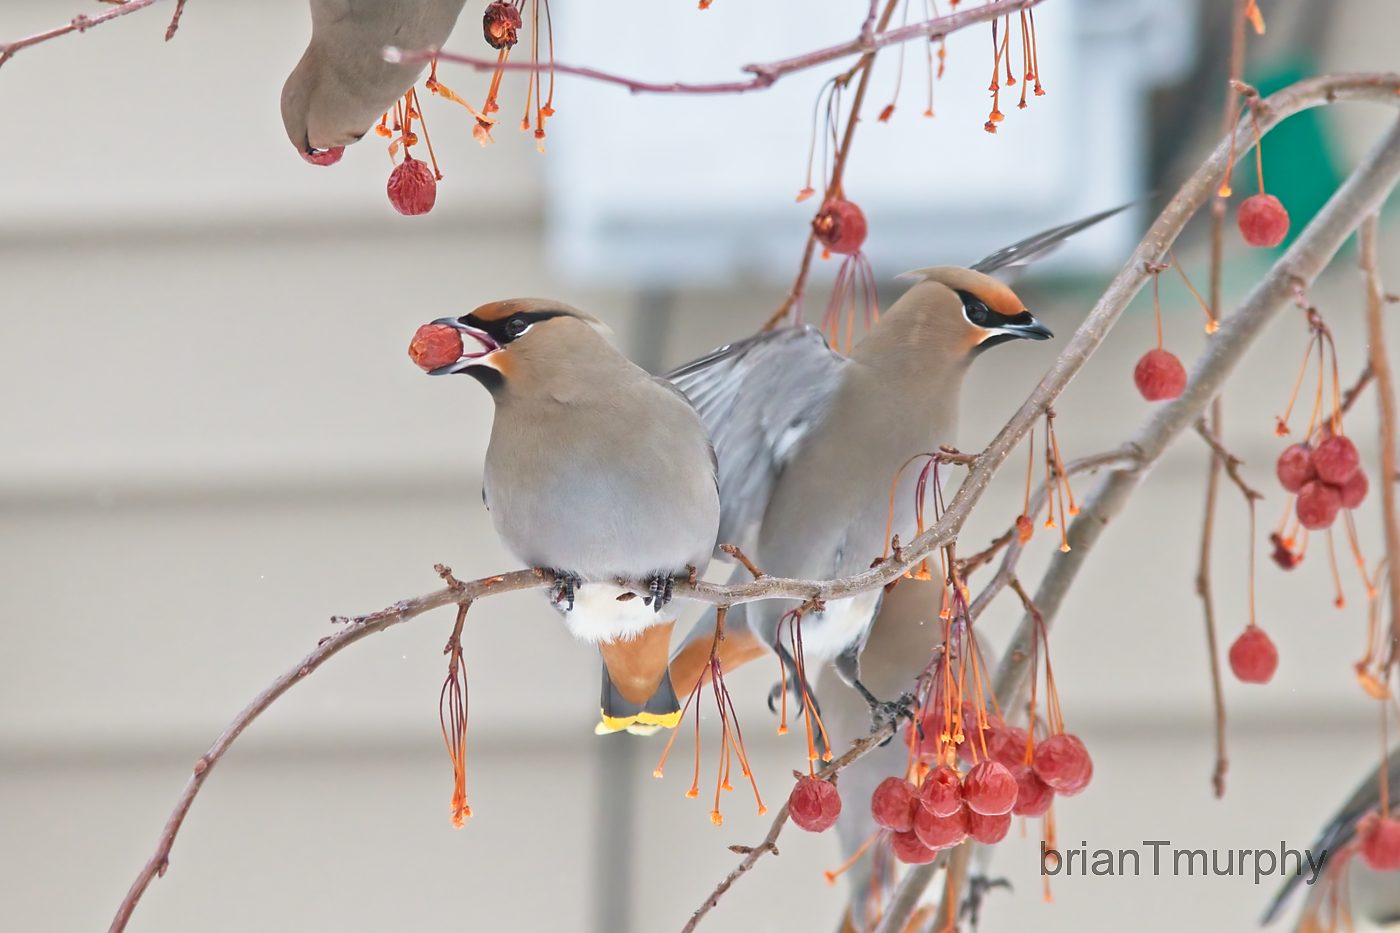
214, 442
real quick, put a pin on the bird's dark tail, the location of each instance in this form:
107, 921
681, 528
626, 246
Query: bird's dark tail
662, 710
637, 691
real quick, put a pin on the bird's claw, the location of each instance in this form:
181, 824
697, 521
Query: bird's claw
886, 713
565, 588
977, 888
661, 586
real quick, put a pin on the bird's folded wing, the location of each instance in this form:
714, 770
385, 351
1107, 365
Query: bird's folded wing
758, 398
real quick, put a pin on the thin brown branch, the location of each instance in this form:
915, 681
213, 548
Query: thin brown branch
769, 843
1353, 392
1205, 589
1299, 265
83, 22
765, 75
1385, 398
1229, 461
734, 551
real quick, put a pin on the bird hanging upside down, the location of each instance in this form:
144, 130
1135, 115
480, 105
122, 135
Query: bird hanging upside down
600, 474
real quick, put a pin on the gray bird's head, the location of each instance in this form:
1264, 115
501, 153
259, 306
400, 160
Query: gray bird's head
527, 344
953, 313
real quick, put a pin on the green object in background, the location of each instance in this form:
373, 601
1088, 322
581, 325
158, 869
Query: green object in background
1300, 168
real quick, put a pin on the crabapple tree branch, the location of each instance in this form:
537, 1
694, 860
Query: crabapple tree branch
1385, 393
83, 22
1318, 242
765, 75
1315, 247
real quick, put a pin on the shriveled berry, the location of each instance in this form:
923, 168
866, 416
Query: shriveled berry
989, 788
910, 850
1033, 796
1063, 763
1317, 505
1294, 467
840, 226
940, 832
814, 804
435, 345
1380, 842
1253, 656
892, 805
1336, 460
1283, 555
1159, 375
412, 187
942, 792
323, 156
1354, 490
987, 829
500, 24
1263, 220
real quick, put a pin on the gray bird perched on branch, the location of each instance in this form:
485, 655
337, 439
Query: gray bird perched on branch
1369, 899
602, 474
342, 83
813, 447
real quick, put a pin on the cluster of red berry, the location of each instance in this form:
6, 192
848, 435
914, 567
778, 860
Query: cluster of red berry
1006, 774
1327, 477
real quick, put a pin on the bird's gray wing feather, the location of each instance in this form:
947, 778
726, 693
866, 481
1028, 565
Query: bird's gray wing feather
758, 398
1042, 243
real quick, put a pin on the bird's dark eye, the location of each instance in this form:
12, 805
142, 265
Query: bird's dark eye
516, 326
977, 311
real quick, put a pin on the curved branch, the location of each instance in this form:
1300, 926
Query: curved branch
82, 23
1311, 252
764, 75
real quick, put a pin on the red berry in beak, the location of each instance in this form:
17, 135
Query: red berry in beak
1317, 505
1159, 375
1380, 842
324, 156
1295, 467
893, 803
435, 345
1336, 460
814, 804
1253, 656
989, 789
1263, 220
840, 226
412, 187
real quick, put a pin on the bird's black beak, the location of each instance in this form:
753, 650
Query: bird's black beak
486, 345
1027, 328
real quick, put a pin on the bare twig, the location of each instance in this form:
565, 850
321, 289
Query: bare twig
83, 22
1385, 397
1206, 591
1229, 461
734, 551
765, 75
1353, 393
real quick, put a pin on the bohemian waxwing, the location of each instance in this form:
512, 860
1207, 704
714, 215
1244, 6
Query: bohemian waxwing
601, 473
342, 83
810, 443
1369, 899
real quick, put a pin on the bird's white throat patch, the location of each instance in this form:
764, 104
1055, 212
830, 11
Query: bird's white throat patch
599, 615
